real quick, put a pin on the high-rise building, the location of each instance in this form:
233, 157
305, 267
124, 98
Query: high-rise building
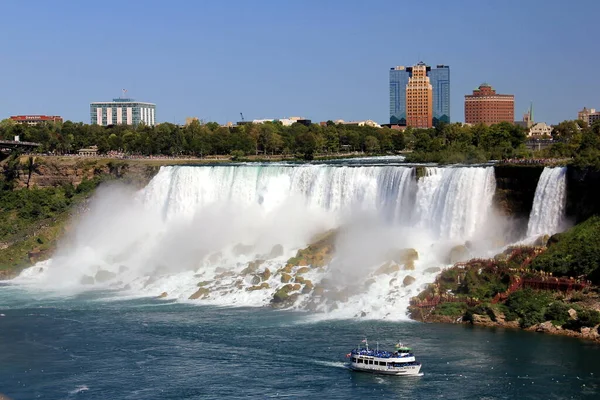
484, 106
122, 112
439, 78
419, 99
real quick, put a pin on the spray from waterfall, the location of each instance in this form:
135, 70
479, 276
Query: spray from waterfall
221, 228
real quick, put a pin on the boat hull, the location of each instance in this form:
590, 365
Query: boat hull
411, 370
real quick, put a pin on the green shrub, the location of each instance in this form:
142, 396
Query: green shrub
558, 313
451, 309
529, 305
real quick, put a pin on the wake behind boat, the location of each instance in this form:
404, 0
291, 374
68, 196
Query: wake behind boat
399, 362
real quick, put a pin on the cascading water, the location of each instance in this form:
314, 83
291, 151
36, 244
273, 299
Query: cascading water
207, 227
547, 213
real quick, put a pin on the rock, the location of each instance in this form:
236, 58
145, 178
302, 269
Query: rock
458, 253
433, 270
319, 290
200, 293
547, 326
317, 254
479, 319
162, 295
252, 267
409, 266
572, 313
408, 280
281, 296
265, 275
387, 268
287, 269
204, 283
242, 250
276, 251
542, 241
308, 287
285, 278
296, 286
104, 276
262, 286
302, 270
500, 257
392, 281
403, 256
255, 280
299, 279
87, 280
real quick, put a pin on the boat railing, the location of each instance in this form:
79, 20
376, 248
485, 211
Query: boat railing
380, 354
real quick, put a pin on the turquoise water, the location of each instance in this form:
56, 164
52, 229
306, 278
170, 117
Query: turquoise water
88, 347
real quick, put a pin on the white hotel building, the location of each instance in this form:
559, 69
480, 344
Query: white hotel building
122, 112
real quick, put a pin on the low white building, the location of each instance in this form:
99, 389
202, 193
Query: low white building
367, 122
540, 129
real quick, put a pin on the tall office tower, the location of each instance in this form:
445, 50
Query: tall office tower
122, 112
439, 78
419, 99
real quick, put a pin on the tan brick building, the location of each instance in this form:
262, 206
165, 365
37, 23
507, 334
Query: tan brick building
419, 99
487, 107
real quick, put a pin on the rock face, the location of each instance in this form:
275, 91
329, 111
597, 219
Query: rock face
403, 256
387, 268
318, 254
163, 295
458, 253
408, 280
200, 293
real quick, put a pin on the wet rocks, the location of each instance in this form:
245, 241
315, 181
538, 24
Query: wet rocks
252, 267
200, 293
285, 278
262, 286
408, 280
458, 253
387, 268
162, 295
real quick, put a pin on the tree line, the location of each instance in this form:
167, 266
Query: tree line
444, 143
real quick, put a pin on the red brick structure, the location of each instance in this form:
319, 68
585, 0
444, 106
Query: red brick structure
484, 106
35, 119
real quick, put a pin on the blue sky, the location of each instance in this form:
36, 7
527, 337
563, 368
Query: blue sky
321, 59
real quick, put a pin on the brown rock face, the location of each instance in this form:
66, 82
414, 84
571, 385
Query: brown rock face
200, 293
408, 280
163, 295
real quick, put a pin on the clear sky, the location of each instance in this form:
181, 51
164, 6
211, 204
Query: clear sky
321, 59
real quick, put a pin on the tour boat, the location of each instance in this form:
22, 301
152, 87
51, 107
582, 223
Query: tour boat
399, 362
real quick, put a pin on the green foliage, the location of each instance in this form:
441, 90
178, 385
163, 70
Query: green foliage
451, 309
575, 252
558, 313
529, 305
585, 318
483, 284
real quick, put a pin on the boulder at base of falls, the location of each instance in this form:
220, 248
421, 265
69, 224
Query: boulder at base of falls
265, 275
308, 287
319, 290
255, 280
87, 280
252, 267
302, 270
285, 278
200, 293
387, 268
282, 297
204, 283
403, 256
432, 270
542, 241
408, 280
104, 276
162, 295
317, 254
262, 286
458, 253
409, 266
276, 251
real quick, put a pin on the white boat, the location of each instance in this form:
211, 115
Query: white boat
399, 362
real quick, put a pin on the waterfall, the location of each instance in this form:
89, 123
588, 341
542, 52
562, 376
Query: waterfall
547, 213
194, 224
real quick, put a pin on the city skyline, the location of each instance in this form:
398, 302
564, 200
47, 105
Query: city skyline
323, 60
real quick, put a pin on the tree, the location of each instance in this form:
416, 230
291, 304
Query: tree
371, 144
